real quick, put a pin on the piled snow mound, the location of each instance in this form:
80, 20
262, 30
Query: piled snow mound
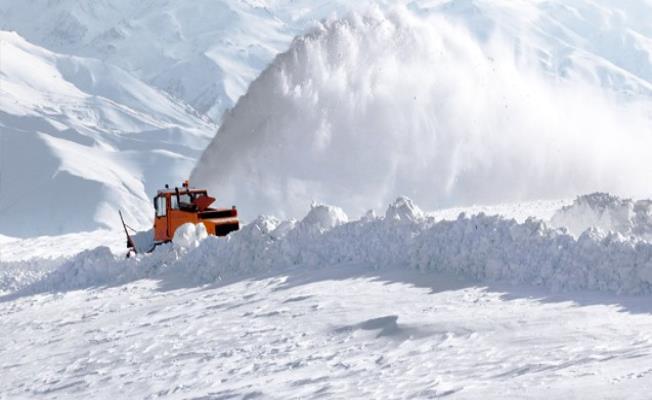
15, 275
372, 106
403, 209
322, 218
495, 249
87, 269
188, 236
481, 247
606, 213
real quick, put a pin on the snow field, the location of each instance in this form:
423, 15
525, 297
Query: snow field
340, 333
381, 307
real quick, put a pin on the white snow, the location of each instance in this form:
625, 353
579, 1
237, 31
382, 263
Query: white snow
607, 213
189, 235
80, 140
466, 106
373, 106
132, 86
480, 247
206, 53
328, 308
29, 260
42, 247
541, 209
406, 305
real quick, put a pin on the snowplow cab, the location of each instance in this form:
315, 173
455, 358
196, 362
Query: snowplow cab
177, 206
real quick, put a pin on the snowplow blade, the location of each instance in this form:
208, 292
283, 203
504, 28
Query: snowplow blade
221, 226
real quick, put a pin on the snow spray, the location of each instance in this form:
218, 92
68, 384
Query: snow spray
376, 105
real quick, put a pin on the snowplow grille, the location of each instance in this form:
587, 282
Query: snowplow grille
216, 214
225, 229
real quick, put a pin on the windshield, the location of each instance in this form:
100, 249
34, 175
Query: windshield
185, 199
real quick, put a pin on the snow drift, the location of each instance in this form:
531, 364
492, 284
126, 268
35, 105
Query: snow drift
378, 105
481, 247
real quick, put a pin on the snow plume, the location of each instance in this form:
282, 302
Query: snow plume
374, 106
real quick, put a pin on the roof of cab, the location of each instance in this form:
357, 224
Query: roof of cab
181, 190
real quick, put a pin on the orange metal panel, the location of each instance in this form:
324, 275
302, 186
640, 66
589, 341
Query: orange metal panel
165, 226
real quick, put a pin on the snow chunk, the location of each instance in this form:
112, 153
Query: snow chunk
403, 209
144, 241
606, 213
283, 228
262, 225
322, 218
188, 236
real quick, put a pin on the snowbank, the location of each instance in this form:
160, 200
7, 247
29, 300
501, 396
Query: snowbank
16, 275
607, 213
486, 248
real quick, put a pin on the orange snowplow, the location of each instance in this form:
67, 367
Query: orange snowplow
177, 206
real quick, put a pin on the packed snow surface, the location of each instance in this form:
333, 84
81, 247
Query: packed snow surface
376, 105
338, 333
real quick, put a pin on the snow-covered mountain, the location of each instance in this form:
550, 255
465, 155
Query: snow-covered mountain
104, 102
204, 52
606, 42
135, 86
80, 139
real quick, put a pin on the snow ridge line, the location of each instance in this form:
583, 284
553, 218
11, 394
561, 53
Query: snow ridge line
481, 247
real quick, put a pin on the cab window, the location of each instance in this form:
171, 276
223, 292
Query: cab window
161, 206
185, 199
